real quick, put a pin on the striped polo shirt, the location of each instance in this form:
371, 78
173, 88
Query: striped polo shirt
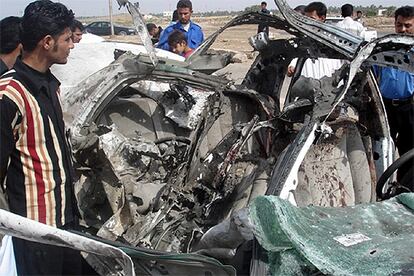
35, 160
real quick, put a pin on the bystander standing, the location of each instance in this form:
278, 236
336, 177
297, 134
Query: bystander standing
263, 27
321, 67
34, 151
77, 29
10, 44
350, 24
397, 89
154, 32
359, 18
193, 32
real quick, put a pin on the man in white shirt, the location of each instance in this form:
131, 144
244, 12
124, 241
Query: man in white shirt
350, 24
359, 18
320, 67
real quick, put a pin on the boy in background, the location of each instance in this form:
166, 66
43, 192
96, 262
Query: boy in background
178, 44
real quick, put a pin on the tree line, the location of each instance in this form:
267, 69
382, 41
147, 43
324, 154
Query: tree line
367, 11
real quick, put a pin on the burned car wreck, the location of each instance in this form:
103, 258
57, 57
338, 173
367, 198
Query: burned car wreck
165, 152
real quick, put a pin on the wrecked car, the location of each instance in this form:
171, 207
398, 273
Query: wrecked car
164, 152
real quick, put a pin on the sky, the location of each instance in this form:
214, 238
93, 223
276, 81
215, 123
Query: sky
101, 7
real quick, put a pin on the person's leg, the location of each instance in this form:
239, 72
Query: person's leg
72, 262
41, 259
72, 259
405, 139
34, 258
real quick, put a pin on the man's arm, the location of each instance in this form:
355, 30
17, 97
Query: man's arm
291, 67
163, 43
9, 116
361, 30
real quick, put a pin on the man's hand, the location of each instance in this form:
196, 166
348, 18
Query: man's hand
290, 71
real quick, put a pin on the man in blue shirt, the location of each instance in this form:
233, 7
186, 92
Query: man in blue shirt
192, 31
397, 88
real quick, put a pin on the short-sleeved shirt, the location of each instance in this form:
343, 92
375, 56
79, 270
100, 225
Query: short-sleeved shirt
194, 35
35, 156
188, 53
318, 68
352, 26
394, 83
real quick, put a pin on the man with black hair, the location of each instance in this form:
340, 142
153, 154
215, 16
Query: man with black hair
178, 44
154, 32
300, 9
77, 29
263, 27
320, 67
192, 31
397, 89
174, 17
359, 18
10, 45
349, 24
317, 11
34, 151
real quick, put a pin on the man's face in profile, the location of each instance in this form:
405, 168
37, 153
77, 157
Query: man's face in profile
77, 35
62, 45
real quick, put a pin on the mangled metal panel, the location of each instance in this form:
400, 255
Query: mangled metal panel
152, 200
141, 28
117, 262
327, 99
335, 37
247, 18
394, 50
131, 68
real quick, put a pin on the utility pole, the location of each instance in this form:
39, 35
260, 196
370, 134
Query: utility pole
110, 17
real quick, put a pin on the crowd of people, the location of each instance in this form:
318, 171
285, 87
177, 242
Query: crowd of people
181, 20
36, 167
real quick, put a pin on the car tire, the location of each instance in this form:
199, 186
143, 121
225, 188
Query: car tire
122, 33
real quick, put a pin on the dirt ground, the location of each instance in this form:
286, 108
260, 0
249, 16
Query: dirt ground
235, 39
